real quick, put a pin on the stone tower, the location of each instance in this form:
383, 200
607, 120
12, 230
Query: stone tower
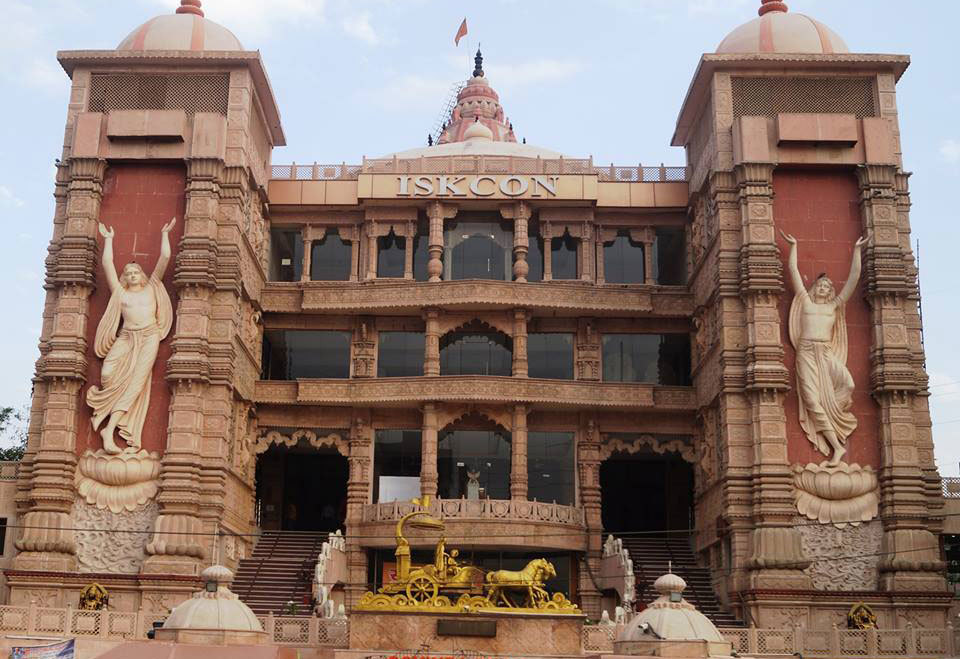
786, 130
178, 121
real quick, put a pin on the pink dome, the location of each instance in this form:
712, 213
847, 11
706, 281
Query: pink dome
186, 29
778, 31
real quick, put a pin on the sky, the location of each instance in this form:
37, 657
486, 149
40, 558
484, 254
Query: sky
603, 78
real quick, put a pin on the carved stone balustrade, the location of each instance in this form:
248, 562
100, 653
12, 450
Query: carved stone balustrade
575, 299
510, 523
410, 391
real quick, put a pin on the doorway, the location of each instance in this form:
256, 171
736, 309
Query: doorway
302, 488
646, 492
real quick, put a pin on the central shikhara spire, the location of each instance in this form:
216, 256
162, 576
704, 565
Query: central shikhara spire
477, 102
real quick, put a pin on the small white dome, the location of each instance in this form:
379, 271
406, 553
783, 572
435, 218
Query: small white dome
670, 617
186, 29
477, 131
779, 31
218, 609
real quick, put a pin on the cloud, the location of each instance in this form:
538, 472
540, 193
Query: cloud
358, 26
533, 72
8, 199
258, 19
950, 151
410, 91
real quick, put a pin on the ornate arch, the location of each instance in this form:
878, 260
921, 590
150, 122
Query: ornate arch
449, 415
275, 437
610, 446
495, 322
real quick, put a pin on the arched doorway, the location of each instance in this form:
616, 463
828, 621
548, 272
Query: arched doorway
646, 485
302, 483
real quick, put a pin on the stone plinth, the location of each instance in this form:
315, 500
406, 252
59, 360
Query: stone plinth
659, 648
517, 633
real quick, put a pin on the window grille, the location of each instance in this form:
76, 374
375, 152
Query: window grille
134, 91
768, 97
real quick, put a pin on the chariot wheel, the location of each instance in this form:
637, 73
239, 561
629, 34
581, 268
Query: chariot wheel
421, 589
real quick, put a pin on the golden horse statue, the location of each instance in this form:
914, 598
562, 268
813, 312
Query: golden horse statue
505, 585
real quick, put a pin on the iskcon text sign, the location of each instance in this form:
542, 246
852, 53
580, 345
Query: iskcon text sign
477, 186
482, 185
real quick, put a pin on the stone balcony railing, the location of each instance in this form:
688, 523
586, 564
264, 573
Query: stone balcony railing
481, 509
834, 643
133, 625
480, 164
9, 470
407, 296
561, 394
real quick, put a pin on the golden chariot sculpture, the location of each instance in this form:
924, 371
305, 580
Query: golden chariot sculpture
448, 586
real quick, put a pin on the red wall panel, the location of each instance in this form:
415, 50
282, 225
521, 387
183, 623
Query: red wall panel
822, 211
138, 199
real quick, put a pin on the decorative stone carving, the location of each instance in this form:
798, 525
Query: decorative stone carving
818, 332
129, 351
840, 495
685, 449
112, 541
274, 437
826, 545
118, 482
364, 353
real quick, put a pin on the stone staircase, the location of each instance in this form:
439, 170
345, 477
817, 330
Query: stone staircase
651, 557
279, 570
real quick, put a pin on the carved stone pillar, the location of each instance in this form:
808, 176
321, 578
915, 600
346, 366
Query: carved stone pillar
437, 213
910, 551
520, 213
46, 541
176, 544
358, 495
597, 250
588, 466
428, 451
408, 250
520, 318
518, 454
307, 254
371, 235
547, 235
588, 252
364, 349
431, 357
588, 350
777, 559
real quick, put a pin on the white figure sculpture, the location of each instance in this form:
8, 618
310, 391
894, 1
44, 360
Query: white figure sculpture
129, 350
473, 484
818, 332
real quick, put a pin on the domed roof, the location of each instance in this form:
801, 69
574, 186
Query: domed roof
186, 29
214, 608
778, 31
670, 617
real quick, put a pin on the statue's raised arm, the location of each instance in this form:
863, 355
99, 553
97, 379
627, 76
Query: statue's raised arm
795, 279
164, 259
107, 258
854, 277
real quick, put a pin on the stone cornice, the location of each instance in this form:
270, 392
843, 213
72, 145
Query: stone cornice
410, 297
558, 394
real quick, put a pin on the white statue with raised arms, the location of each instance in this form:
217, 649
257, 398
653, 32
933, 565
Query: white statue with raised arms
818, 332
129, 349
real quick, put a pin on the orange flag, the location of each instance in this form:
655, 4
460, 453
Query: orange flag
461, 33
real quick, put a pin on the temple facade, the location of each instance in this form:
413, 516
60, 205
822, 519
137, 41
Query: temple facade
720, 363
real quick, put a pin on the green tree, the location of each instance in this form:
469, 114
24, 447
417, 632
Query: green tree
13, 432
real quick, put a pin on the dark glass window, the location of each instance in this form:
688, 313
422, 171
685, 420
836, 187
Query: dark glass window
550, 356
391, 253
476, 352
330, 258
478, 250
396, 465
292, 354
550, 467
652, 358
421, 252
623, 260
563, 256
534, 252
286, 255
3, 535
670, 257
473, 464
400, 354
